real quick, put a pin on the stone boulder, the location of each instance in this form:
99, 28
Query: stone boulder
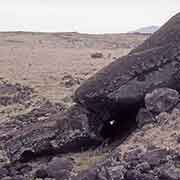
144, 117
161, 100
59, 168
145, 164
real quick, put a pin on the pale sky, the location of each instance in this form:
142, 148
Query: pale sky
85, 16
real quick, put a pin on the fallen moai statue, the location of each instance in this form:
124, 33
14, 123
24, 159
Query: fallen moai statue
116, 93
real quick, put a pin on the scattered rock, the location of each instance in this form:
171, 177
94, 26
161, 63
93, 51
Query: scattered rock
133, 155
161, 100
61, 133
43, 112
147, 165
3, 172
143, 167
41, 173
59, 167
75, 117
155, 157
137, 175
69, 81
162, 118
144, 117
171, 173
97, 55
108, 169
178, 139
14, 93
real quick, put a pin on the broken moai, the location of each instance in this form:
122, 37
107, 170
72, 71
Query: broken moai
117, 92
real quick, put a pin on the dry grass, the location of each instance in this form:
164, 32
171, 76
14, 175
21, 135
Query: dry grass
41, 60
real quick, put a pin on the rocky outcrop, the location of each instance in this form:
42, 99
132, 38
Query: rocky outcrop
60, 133
150, 153
161, 100
144, 117
57, 168
154, 164
158, 101
14, 93
119, 89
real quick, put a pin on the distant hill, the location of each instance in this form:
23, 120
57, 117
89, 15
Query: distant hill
148, 30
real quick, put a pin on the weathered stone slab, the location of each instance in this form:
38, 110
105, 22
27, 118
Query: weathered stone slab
67, 132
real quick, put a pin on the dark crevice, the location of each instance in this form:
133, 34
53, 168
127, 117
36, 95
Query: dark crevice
29, 155
121, 123
117, 122
78, 145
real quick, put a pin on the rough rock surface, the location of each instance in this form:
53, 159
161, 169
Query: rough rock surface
67, 132
119, 88
14, 93
144, 117
59, 168
155, 164
149, 153
39, 130
161, 100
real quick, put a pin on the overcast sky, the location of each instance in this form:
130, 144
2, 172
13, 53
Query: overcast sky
86, 16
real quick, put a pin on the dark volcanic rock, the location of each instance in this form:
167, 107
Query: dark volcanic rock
97, 55
76, 134
24, 145
107, 105
171, 173
59, 168
111, 168
119, 88
14, 93
137, 175
146, 164
161, 100
70, 81
144, 117
41, 173
70, 134
40, 114
3, 172
155, 157
43, 112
